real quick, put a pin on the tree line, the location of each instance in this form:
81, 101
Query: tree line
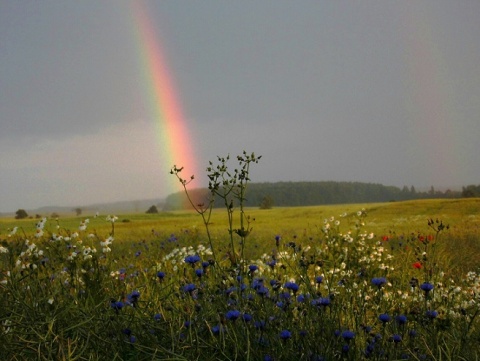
287, 194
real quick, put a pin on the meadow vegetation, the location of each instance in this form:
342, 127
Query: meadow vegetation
383, 281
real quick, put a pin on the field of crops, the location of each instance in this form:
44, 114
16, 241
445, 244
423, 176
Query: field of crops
382, 281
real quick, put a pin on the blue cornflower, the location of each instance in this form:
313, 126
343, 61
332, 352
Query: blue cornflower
348, 335
412, 333
367, 329
252, 268
247, 317
303, 333
292, 286
132, 339
232, 315
138, 253
161, 275
127, 331
158, 317
319, 279
271, 263
345, 348
199, 272
262, 291
205, 264
379, 281
426, 287
132, 298
189, 288
116, 305
216, 329
401, 319
275, 284
301, 298
396, 338
431, 314
384, 317
324, 301
192, 259
285, 335
257, 283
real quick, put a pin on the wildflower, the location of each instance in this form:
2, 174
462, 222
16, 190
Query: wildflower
116, 305
292, 286
232, 315
417, 265
133, 297
348, 335
319, 279
345, 348
396, 338
216, 329
379, 281
384, 317
252, 268
160, 275
301, 298
431, 314
189, 288
199, 272
262, 291
3, 249
157, 317
285, 335
401, 319
14, 230
277, 240
192, 259
111, 219
426, 287
247, 317
271, 263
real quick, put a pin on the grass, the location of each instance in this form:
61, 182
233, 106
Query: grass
63, 298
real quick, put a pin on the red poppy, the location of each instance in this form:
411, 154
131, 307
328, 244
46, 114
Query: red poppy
384, 238
417, 265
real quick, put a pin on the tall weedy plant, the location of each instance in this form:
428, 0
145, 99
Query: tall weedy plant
229, 187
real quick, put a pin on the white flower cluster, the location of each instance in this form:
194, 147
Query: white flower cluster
177, 255
105, 244
31, 254
40, 225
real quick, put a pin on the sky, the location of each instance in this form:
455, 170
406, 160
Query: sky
99, 99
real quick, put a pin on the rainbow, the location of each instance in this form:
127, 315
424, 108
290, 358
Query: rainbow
175, 143
431, 123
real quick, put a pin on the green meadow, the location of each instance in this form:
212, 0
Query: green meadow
381, 281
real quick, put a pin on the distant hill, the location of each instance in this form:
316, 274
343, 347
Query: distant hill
287, 194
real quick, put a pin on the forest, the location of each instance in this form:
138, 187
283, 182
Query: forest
286, 194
